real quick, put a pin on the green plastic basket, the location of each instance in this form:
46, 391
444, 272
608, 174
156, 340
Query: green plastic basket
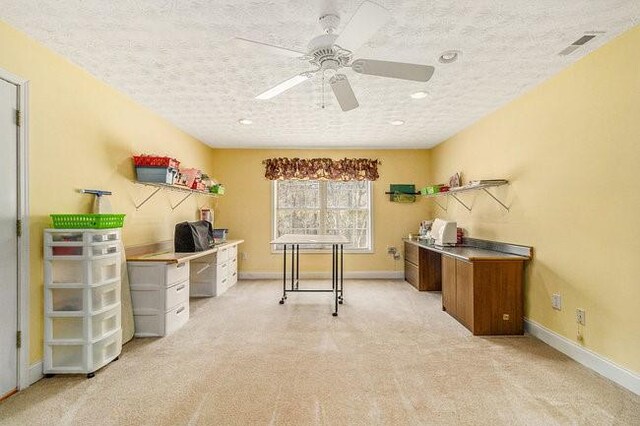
83, 221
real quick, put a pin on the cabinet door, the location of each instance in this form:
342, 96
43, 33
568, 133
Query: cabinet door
449, 284
464, 293
430, 270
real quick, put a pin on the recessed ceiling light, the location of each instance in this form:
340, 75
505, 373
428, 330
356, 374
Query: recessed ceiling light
396, 122
449, 56
245, 121
419, 95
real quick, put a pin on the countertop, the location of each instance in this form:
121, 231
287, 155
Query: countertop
169, 256
468, 253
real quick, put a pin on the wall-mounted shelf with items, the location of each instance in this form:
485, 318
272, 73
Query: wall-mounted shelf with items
481, 185
175, 188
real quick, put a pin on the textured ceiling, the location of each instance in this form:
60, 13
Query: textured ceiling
177, 57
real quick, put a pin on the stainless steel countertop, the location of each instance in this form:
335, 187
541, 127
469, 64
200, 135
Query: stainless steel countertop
468, 253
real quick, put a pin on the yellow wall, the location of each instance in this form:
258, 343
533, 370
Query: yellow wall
571, 148
82, 134
246, 206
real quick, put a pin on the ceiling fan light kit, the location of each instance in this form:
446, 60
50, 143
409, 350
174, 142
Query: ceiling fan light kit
329, 53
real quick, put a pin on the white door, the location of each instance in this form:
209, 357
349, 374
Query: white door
8, 238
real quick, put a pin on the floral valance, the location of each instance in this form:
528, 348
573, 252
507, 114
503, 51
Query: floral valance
321, 169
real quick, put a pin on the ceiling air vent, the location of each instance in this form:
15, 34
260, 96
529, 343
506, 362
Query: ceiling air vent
576, 44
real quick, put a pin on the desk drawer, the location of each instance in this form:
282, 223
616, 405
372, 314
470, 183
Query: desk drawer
411, 253
177, 272
222, 255
411, 274
177, 317
177, 294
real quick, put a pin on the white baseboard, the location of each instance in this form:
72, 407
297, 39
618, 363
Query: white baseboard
586, 357
35, 372
349, 275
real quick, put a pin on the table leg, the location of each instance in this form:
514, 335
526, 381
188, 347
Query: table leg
297, 265
334, 278
341, 298
284, 275
293, 264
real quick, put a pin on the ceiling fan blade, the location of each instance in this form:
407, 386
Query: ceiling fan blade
367, 20
284, 86
343, 92
270, 48
401, 70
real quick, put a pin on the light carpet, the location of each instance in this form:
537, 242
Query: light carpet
392, 357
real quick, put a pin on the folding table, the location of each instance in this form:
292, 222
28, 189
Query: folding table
294, 241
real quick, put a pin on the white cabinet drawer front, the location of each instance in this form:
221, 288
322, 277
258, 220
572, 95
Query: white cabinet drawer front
105, 269
222, 255
222, 271
176, 318
177, 272
233, 252
177, 294
233, 265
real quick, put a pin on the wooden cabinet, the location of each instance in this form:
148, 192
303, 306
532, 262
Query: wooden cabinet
484, 295
422, 268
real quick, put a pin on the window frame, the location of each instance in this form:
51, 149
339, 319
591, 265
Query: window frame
323, 208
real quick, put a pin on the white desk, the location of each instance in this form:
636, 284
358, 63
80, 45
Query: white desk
294, 241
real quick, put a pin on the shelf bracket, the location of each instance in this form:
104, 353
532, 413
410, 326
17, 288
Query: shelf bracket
497, 201
181, 201
463, 204
439, 205
148, 198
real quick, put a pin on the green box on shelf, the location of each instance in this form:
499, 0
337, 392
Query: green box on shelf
87, 221
217, 189
430, 190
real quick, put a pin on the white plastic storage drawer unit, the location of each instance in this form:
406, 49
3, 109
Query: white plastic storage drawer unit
214, 274
160, 297
82, 327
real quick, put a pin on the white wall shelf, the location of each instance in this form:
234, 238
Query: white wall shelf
453, 192
175, 188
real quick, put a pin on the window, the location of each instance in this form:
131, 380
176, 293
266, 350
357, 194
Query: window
324, 207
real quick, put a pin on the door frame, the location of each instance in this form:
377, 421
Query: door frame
23, 379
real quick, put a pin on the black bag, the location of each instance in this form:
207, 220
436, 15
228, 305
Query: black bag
193, 236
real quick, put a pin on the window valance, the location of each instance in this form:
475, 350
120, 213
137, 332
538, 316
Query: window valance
321, 169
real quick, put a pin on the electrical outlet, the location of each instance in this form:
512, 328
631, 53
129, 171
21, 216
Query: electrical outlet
556, 301
392, 250
505, 317
243, 255
581, 316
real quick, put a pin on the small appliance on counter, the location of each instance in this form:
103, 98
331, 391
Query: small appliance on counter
444, 233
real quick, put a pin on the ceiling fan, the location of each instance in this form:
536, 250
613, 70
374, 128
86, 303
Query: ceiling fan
329, 53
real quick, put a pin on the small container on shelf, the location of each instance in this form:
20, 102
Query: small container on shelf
155, 161
166, 175
217, 189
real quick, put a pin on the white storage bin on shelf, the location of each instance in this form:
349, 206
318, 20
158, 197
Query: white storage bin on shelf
82, 300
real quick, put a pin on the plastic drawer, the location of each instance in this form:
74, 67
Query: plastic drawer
105, 269
151, 274
105, 323
67, 356
66, 271
104, 296
161, 324
177, 294
66, 300
176, 318
106, 350
63, 237
103, 236
222, 255
105, 249
66, 328
177, 272
233, 251
203, 288
64, 249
